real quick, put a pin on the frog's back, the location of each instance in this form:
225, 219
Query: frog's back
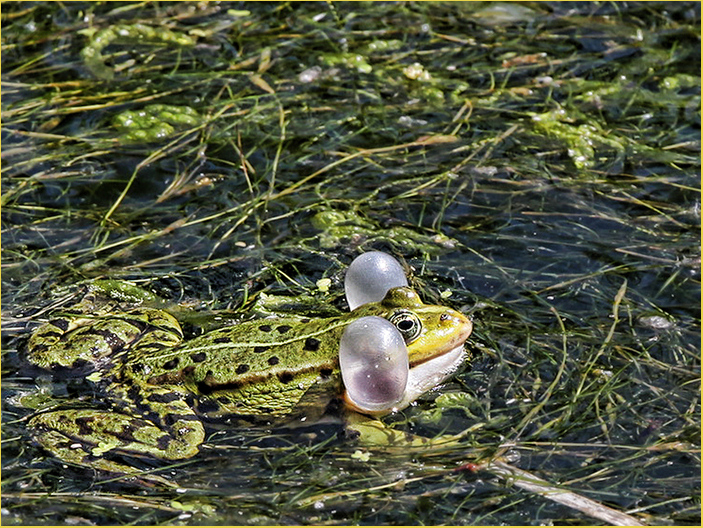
259, 368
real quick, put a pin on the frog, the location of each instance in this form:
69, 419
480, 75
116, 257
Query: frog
156, 391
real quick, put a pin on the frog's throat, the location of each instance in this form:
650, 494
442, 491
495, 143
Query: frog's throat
430, 374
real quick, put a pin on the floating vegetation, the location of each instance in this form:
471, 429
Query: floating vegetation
127, 35
581, 140
154, 122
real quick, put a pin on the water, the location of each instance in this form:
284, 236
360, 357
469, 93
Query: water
540, 162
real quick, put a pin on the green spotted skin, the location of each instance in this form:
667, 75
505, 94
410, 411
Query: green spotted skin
263, 369
158, 390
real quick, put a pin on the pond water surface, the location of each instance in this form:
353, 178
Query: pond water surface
536, 166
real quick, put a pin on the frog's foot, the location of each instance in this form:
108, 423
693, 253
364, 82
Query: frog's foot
83, 436
75, 453
371, 432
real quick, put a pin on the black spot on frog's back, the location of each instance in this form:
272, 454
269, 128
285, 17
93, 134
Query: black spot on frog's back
170, 365
285, 377
85, 425
312, 344
198, 357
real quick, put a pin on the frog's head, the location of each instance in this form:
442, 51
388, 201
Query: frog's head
431, 336
429, 331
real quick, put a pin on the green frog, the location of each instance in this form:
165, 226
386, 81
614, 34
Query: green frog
157, 391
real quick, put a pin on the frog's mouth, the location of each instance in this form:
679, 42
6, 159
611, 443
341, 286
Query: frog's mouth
461, 332
444, 331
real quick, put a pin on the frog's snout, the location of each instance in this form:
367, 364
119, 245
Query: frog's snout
456, 325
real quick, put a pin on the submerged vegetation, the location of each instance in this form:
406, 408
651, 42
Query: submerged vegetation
536, 165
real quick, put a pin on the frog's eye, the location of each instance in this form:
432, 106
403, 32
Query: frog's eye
370, 276
373, 359
408, 324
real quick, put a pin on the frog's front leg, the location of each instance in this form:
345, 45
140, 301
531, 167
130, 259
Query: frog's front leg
169, 430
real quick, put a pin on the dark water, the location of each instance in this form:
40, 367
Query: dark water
538, 161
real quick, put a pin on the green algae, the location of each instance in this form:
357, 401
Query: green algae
154, 122
355, 61
349, 227
127, 35
581, 140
